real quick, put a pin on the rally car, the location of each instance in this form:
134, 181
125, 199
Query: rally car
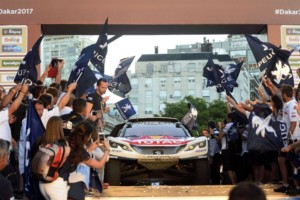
156, 151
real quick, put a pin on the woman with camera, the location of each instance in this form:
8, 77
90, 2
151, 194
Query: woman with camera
81, 156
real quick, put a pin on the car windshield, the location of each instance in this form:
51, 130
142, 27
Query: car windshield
155, 129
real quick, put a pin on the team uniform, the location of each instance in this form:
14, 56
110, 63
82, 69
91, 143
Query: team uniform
95, 99
228, 159
290, 115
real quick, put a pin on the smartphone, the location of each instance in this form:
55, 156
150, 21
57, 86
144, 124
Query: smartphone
94, 112
55, 61
101, 136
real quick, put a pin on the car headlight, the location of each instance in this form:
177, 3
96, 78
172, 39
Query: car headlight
201, 144
115, 145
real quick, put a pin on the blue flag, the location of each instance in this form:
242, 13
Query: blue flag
120, 84
125, 108
27, 69
265, 133
34, 129
213, 73
224, 78
92, 56
81, 72
86, 80
189, 119
271, 60
80, 64
100, 50
230, 75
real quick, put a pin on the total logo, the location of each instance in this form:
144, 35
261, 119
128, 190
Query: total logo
12, 40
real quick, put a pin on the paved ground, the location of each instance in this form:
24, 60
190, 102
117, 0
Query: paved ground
178, 192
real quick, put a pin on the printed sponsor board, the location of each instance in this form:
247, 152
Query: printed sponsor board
10, 63
13, 40
7, 78
12, 31
290, 39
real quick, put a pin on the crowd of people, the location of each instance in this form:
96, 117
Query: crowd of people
71, 121
259, 140
78, 122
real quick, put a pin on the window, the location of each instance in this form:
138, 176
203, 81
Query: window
148, 82
177, 95
177, 67
149, 94
162, 108
177, 80
191, 92
54, 54
148, 109
150, 68
162, 82
164, 68
191, 67
205, 93
134, 97
163, 95
238, 53
191, 79
134, 83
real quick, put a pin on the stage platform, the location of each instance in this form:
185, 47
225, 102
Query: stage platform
179, 192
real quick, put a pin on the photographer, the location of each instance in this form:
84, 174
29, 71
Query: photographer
82, 146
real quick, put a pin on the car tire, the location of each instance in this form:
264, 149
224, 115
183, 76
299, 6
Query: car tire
201, 172
113, 172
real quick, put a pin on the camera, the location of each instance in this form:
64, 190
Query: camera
94, 112
55, 61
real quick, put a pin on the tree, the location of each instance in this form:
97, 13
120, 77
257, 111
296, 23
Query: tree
215, 111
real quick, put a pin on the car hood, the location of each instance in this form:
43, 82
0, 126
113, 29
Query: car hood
157, 140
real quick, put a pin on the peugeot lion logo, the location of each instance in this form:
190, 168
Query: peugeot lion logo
158, 152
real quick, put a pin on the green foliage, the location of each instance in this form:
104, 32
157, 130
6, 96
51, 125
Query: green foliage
215, 111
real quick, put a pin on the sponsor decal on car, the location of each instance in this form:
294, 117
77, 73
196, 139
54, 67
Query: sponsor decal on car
155, 142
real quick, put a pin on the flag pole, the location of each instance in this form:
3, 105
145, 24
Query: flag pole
78, 77
23, 81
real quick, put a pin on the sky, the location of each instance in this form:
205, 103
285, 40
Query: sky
136, 45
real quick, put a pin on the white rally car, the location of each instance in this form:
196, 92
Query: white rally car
156, 150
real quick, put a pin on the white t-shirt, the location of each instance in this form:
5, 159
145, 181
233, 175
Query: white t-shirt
5, 132
47, 114
224, 139
65, 110
290, 115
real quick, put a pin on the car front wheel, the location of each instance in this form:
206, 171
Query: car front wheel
201, 172
113, 172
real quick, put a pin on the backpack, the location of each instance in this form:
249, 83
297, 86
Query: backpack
47, 161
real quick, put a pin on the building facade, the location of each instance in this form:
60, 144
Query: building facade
161, 78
